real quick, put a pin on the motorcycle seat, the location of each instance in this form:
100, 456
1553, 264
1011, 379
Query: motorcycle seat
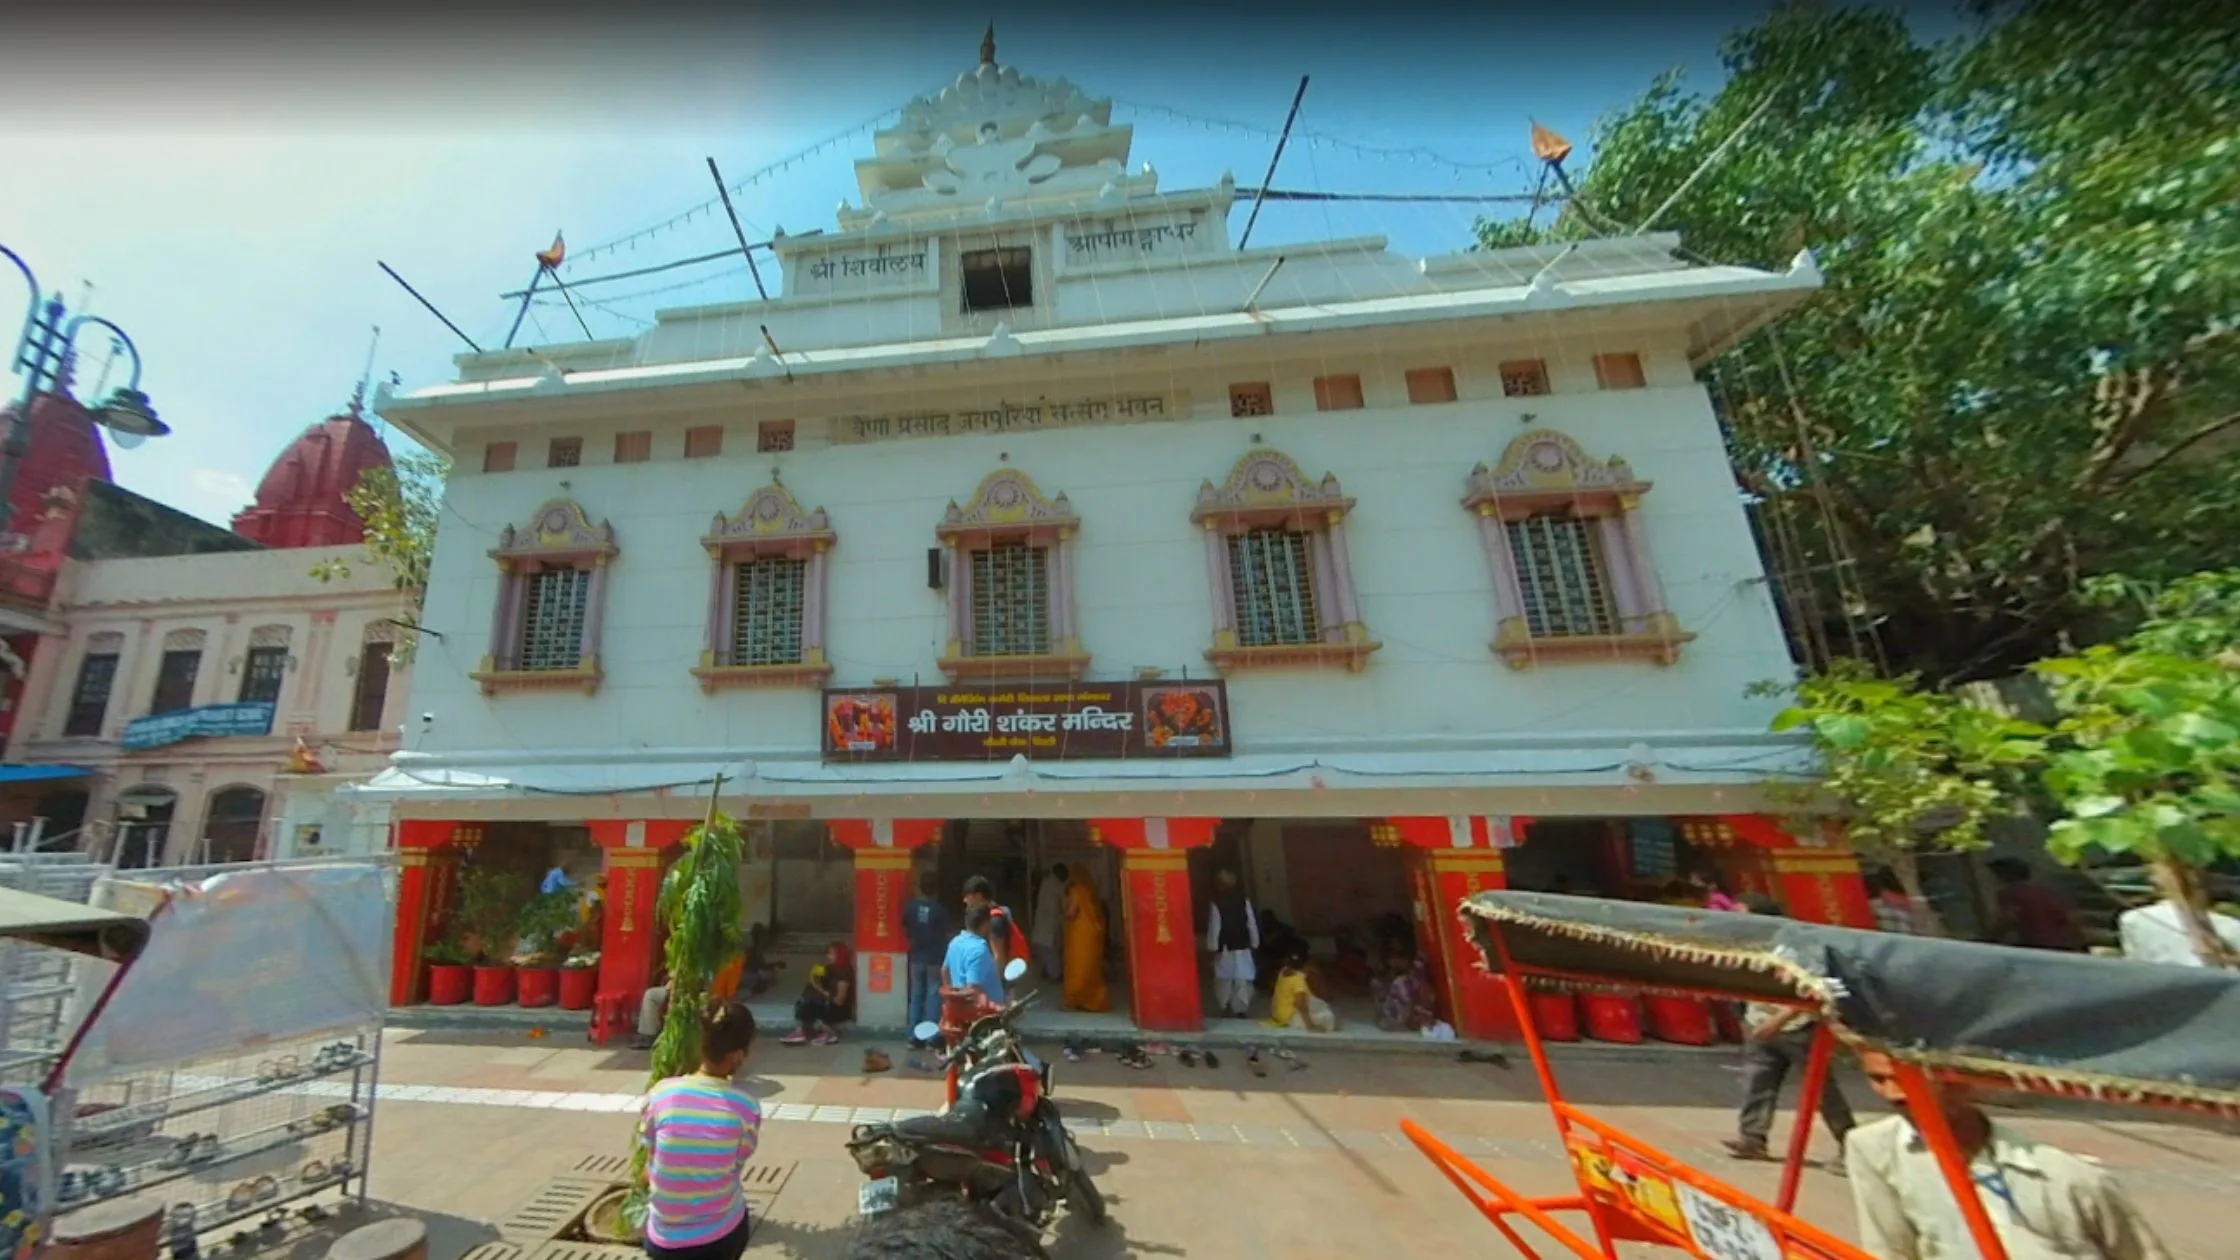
966, 1122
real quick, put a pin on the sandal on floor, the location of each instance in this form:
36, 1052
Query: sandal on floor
265, 1188
1212, 1060
794, 1038
242, 1197
314, 1173
876, 1061
1187, 1057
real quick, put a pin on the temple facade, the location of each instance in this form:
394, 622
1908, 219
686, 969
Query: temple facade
1031, 520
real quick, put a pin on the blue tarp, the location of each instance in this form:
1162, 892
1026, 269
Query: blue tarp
35, 774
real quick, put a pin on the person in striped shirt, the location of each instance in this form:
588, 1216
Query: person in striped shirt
699, 1131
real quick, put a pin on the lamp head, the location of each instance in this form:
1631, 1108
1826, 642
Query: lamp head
127, 411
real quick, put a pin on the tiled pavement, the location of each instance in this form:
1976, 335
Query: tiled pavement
1197, 1162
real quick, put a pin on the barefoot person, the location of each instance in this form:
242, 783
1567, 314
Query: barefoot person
699, 1131
1084, 946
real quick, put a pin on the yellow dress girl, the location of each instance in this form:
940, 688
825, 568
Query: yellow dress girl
1085, 989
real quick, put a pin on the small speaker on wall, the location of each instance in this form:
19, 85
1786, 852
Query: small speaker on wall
933, 568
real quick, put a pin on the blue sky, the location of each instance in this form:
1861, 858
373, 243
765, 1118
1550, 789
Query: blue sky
228, 201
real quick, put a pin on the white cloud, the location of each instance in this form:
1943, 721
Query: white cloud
213, 494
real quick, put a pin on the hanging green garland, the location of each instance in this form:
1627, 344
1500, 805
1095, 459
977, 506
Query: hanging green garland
700, 909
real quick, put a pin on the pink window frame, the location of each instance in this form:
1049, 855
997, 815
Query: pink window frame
557, 536
1265, 489
770, 523
1006, 507
1544, 471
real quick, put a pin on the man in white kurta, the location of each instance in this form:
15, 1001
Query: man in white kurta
2156, 933
1232, 933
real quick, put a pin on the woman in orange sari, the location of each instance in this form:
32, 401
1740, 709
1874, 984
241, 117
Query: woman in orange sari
1085, 989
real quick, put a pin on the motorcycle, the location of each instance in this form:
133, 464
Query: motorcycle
1001, 1143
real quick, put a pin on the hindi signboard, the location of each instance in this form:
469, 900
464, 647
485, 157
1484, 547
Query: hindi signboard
210, 720
1007, 417
1062, 721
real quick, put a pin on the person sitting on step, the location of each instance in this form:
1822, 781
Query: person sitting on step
827, 1000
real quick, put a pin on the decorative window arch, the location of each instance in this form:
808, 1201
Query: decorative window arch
766, 588
1572, 576
1010, 579
1276, 561
544, 631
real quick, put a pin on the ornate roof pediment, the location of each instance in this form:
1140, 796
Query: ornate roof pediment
988, 93
1268, 480
770, 514
559, 528
1545, 462
1007, 499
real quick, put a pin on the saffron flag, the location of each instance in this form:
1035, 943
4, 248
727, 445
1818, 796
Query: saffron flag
551, 257
1548, 146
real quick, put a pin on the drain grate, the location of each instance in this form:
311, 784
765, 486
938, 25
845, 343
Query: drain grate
602, 1166
583, 1251
551, 1210
493, 1251
768, 1178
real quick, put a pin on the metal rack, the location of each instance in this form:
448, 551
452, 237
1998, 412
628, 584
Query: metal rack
37, 984
250, 1136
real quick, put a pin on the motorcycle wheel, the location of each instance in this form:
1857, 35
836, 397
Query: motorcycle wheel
1083, 1196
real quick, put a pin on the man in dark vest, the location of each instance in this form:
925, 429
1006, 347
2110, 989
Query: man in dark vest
1232, 933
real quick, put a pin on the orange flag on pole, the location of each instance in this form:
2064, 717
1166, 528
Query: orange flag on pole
551, 257
1547, 145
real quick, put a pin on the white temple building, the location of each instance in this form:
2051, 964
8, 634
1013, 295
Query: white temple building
1032, 520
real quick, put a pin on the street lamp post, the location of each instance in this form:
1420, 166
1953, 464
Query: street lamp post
41, 350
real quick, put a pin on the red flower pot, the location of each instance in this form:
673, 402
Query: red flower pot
1555, 1016
1610, 1017
448, 984
539, 986
493, 986
579, 986
1681, 1021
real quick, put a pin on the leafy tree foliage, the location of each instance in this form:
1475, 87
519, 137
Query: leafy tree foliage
2024, 369
400, 506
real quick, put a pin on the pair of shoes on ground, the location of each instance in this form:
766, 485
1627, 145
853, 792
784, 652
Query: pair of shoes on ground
1134, 1056
1189, 1057
1746, 1148
801, 1037
876, 1061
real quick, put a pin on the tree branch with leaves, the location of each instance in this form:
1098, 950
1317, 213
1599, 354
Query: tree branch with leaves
401, 505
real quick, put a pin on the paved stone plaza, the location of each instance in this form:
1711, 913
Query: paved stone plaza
1196, 1161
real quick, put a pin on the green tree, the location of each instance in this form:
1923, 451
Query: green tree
401, 506
1909, 770
2146, 759
2024, 368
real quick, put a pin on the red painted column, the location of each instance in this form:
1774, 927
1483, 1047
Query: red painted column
1462, 857
636, 853
1161, 931
883, 851
426, 868
1816, 878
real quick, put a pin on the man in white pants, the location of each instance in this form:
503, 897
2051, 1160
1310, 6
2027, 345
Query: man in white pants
1232, 933
1048, 932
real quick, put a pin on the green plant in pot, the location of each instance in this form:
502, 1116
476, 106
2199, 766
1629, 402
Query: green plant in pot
489, 903
538, 928
700, 909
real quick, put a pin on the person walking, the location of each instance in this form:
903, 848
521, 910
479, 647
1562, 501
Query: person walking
699, 1131
1232, 933
1049, 926
1084, 947
1775, 1040
925, 925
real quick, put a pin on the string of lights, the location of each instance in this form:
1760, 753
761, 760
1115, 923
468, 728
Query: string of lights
1414, 154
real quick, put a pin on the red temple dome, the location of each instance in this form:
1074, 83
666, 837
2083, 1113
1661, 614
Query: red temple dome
65, 446
300, 502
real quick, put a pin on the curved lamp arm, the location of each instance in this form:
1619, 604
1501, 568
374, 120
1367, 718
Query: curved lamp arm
31, 312
70, 338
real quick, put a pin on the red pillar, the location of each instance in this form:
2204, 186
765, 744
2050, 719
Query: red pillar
883, 856
630, 937
427, 866
1815, 882
1161, 927
1459, 858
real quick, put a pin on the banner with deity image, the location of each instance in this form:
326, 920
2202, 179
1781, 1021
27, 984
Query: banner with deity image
1064, 721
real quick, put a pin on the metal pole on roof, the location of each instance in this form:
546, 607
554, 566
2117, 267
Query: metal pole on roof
744, 249
1260, 194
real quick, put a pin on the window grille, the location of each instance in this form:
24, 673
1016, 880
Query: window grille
1524, 378
565, 453
89, 704
175, 681
552, 619
261, 675
766, 610
1271, 575
773, 436
1561, 576
1010, 600
1254, 399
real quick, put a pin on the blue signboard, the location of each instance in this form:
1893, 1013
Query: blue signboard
211, 720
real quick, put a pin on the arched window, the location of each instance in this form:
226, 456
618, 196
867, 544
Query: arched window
766, 594
1282, 583
233, 826
544, 631
1009, 556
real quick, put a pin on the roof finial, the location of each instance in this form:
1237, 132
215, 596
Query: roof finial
988, 45
358, 395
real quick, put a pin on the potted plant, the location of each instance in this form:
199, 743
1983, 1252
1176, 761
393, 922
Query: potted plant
538, 928
579, 980
450, 975
489, 902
